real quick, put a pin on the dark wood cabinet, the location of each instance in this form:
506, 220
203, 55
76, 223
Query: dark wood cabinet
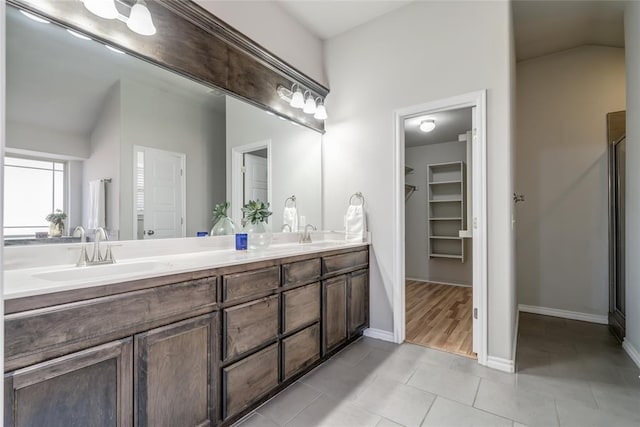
358, 298
173, 367
193, 349
89, 388
335, 312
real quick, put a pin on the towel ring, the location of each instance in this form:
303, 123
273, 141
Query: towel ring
291, 199
357, 195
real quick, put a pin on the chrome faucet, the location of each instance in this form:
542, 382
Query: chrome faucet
84, 257
97, 255
285, 226
306, 237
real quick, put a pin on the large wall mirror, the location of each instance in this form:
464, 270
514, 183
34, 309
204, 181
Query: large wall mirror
114, 141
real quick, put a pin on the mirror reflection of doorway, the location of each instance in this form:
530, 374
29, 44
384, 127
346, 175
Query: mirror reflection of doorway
256, 179
617, 159
251, 177
159, 194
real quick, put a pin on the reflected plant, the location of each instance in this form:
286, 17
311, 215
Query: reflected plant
256, 211
57, 217
220, 211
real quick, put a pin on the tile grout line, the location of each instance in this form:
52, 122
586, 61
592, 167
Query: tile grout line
476, 395
433, 402
300, 411
555, 405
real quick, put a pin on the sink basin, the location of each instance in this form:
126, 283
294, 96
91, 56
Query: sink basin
99, 271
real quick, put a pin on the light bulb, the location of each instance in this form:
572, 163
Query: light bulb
428, 125
103, 8
113, 49
297, 99
140, 19
309, 105
78, 35
321, 112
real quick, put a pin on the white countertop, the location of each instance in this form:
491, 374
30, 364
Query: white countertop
43, 279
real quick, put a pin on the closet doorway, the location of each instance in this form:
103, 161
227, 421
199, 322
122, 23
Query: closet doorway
438, 239
441, 262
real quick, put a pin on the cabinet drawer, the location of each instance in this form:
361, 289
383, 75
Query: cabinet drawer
300, 350
54, 327
344, 262
249, 325
240, 285
302, 271
301, 306
247, 380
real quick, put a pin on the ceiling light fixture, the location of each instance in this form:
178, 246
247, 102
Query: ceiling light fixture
78, 35
296, 98
427, 125
34, 17
139, 20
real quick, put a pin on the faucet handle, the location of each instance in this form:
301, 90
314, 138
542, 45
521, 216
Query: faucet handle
109, 255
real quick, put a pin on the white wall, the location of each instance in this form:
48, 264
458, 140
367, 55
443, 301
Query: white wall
632, 49
172, 122
422, 52
418, 264
272, 27
561, 168
28, 136
104, 158
296, 154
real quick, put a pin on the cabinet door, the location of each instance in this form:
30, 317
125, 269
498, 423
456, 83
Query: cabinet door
335, 312
88, 388
173, 374
358, 302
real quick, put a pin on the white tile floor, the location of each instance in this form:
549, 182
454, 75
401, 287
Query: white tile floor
568, 373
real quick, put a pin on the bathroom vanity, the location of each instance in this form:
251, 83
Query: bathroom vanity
194, 348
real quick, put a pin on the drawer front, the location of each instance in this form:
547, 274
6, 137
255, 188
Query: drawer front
301, 306
343, 262
249, 325
240, 285
302, 271
300, 350
34, 331
247, 380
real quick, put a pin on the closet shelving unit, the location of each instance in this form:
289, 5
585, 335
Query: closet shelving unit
447, 212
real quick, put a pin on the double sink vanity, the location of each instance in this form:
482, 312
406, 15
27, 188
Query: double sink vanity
197, 335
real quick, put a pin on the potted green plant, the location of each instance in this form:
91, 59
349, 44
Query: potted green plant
258, 230
56, 226
222, 224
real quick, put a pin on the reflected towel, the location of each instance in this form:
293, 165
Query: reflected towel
97, 201
355, 223
290, 217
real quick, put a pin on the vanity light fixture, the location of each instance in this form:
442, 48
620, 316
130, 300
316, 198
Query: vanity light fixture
34, 17
309, 104
296, 99
427, 125
139, 20
78, 35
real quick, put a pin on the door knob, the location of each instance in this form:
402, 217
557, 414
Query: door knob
151, 232
518, 197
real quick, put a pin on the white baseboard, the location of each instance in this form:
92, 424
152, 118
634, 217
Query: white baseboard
379, 334
514, 350
633, 353
566, 314
505, 365
435, 282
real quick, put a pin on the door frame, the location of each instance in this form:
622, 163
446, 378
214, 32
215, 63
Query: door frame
478, 100
183, 184
237, 163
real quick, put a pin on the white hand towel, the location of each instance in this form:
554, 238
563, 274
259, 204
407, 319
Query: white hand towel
97, 202
355, 223
290, 217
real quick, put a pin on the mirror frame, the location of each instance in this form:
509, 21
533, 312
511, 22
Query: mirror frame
194, 43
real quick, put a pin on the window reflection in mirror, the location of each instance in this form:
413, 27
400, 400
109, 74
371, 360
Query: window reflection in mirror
165, 142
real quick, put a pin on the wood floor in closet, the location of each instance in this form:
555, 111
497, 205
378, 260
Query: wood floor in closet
439, 316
